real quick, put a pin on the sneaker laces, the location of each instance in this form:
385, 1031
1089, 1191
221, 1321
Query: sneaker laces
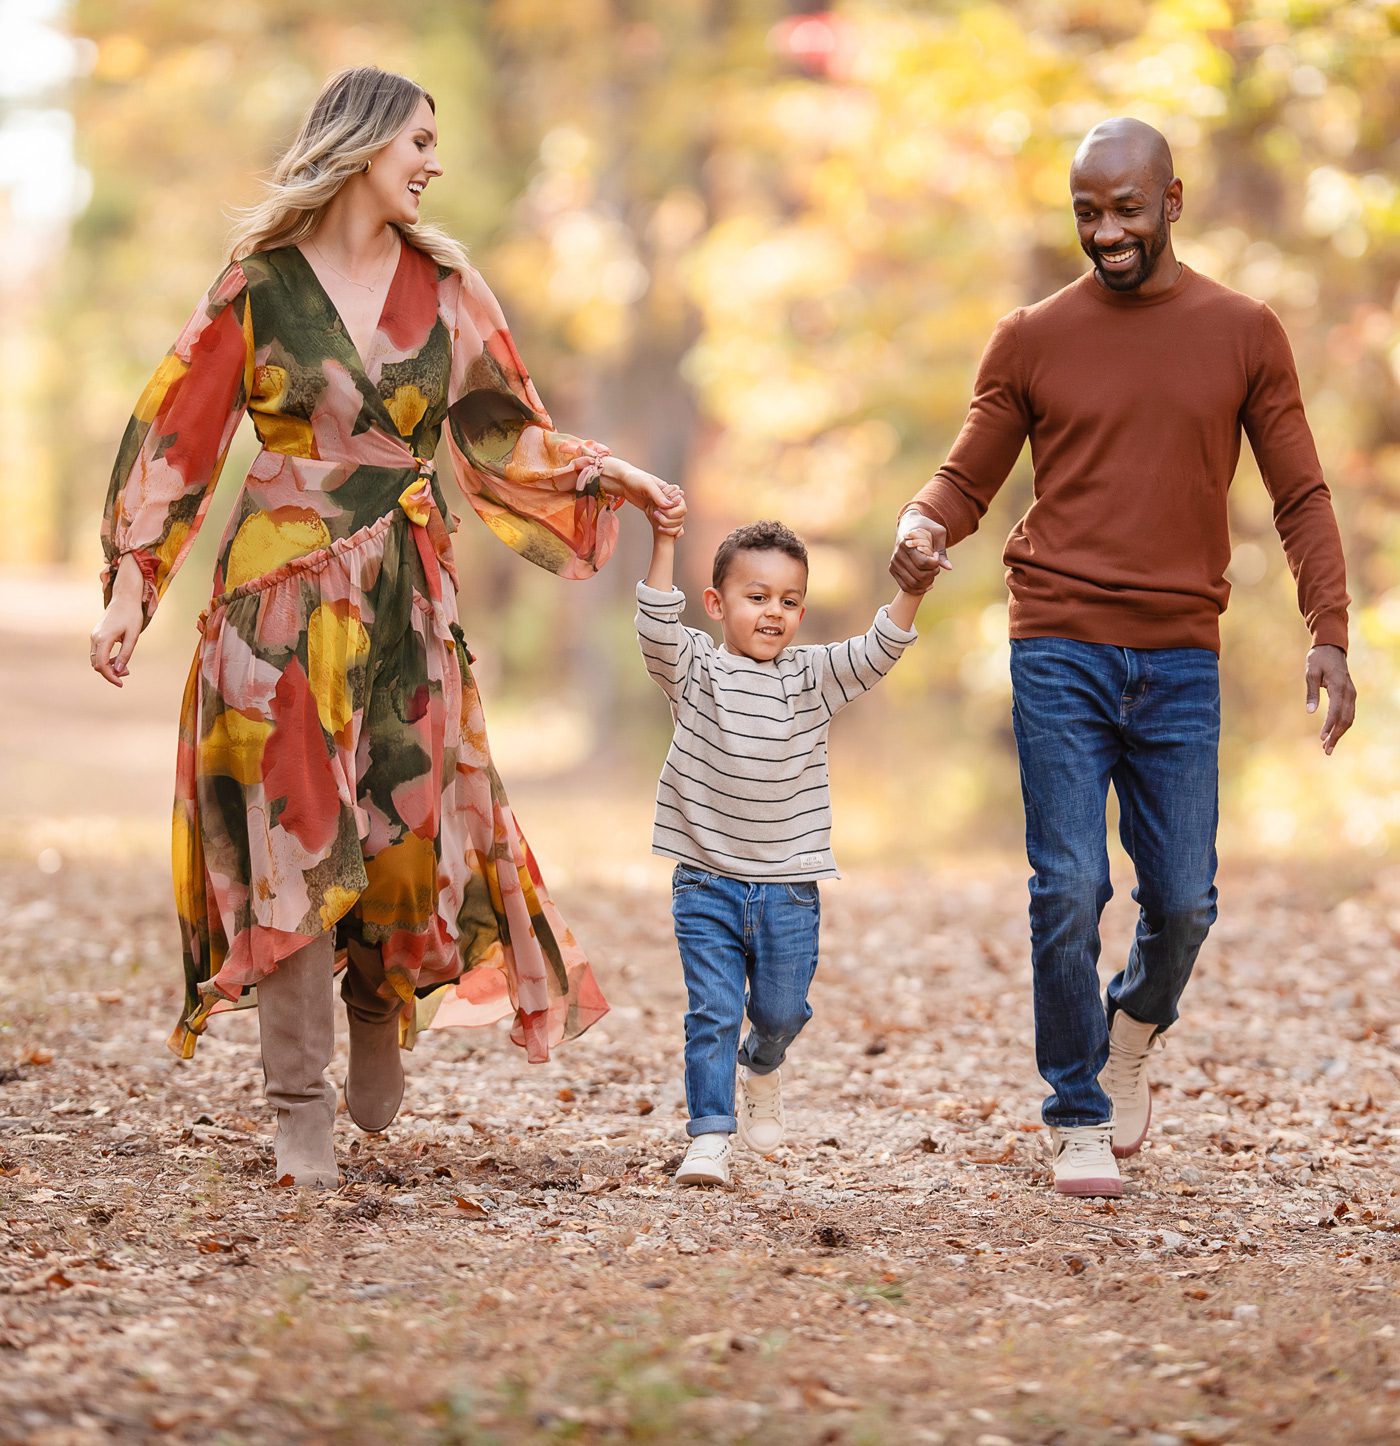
768, 1103
1087, 1144
708, 1147
1125, 1065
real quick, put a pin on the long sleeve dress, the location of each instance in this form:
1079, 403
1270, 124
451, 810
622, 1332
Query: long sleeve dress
333, 771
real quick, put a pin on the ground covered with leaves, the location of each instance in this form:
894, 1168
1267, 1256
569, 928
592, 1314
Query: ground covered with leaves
511, 1262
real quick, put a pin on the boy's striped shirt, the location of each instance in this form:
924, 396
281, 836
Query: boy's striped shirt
744, 789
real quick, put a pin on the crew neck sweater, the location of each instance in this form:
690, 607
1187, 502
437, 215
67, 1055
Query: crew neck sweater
744, 791
1134, 406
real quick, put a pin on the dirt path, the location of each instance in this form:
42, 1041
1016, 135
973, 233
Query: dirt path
511, 1263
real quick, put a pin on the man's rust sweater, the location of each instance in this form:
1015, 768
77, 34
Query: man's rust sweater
1134, 408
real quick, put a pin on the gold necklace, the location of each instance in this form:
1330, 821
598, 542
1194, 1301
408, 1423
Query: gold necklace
363, 285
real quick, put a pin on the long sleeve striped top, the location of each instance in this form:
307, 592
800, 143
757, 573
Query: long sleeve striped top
744, 790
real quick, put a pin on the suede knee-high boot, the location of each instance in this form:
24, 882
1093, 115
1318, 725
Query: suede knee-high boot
296, 1022
374, 1081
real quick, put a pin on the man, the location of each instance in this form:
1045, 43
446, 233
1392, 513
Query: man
1132, 384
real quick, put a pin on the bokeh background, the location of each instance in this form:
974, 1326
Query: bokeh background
756, 247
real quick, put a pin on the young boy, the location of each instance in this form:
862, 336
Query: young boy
743, 807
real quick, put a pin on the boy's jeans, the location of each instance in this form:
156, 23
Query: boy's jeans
1147, 720
730, 934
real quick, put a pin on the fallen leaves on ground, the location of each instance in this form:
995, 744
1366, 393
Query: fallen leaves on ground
511, 1261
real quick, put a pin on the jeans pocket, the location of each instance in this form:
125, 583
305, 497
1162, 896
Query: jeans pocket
805, 894
685, 879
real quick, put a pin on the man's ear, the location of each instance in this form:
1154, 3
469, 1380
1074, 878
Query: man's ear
1173, 199
714, 604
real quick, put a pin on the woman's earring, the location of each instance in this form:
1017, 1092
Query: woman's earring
369, 166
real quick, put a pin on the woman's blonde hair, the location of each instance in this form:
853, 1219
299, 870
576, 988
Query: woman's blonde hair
357, 114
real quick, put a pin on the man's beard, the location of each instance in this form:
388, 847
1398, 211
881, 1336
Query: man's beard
1148, 253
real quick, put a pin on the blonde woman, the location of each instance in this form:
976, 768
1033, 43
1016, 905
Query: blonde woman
335, 796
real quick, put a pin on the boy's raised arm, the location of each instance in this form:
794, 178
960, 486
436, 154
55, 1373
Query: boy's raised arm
666, 646
661, 574
904, 608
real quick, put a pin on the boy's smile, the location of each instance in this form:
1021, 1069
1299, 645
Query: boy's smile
760, 602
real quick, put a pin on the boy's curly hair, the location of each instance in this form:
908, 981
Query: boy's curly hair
757, 537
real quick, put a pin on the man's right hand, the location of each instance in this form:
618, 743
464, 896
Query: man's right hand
920, 552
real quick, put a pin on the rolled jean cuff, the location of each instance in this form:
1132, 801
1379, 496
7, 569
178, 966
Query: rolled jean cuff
759, 1067
712, 1125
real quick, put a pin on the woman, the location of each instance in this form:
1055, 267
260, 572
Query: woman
334, 788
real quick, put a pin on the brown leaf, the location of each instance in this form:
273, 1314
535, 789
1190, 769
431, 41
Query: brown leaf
470, 1208
645, 1107
818, 1394
566, 1094
37, 1055
1003, 1156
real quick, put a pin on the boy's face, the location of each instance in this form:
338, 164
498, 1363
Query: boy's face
760, 603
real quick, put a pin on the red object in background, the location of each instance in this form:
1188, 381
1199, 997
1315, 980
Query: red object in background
819, 42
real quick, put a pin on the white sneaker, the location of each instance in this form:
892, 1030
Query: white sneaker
1124, 1080
761, 1118
1083, 1160
706, 1161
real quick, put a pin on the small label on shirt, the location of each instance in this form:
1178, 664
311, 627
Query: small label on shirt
809, 861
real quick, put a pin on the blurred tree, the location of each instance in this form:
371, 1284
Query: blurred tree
758, 247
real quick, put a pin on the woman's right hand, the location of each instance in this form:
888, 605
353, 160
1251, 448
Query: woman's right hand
114, 638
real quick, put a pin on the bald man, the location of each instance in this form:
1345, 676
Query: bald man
1133, 385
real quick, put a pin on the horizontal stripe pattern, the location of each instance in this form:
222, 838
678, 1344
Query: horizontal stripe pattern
744, 790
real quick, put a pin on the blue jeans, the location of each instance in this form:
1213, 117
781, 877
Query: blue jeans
1147, 721
731, 935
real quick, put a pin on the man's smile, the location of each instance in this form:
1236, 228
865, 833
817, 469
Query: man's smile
1118, 258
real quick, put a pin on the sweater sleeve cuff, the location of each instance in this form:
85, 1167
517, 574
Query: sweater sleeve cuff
923, 509
1330, 632
941, 502
658, 599
888, 628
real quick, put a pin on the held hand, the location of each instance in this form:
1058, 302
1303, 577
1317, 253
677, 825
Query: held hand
663, 502
669, 521
920, 553
1327, 668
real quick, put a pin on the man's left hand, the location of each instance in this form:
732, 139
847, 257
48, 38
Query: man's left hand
1327, 668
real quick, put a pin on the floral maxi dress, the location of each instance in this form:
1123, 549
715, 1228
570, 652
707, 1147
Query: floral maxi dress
333, 770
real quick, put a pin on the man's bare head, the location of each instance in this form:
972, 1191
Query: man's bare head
1125, 197
1125, 145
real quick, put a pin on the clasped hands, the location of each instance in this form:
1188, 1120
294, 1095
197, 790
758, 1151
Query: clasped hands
920, 552
663, 502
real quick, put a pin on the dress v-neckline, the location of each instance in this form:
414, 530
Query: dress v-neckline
365, 362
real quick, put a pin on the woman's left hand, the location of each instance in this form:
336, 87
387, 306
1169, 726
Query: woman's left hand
663, 502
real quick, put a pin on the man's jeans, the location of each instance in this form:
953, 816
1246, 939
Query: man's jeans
1147, 720
731, 934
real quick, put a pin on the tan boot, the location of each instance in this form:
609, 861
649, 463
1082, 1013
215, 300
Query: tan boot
1124, 1081
296, 1022
374, 1081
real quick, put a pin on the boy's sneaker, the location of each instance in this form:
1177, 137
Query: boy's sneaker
706, 1161
761, 1119
1083, 1160
1124, 1081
